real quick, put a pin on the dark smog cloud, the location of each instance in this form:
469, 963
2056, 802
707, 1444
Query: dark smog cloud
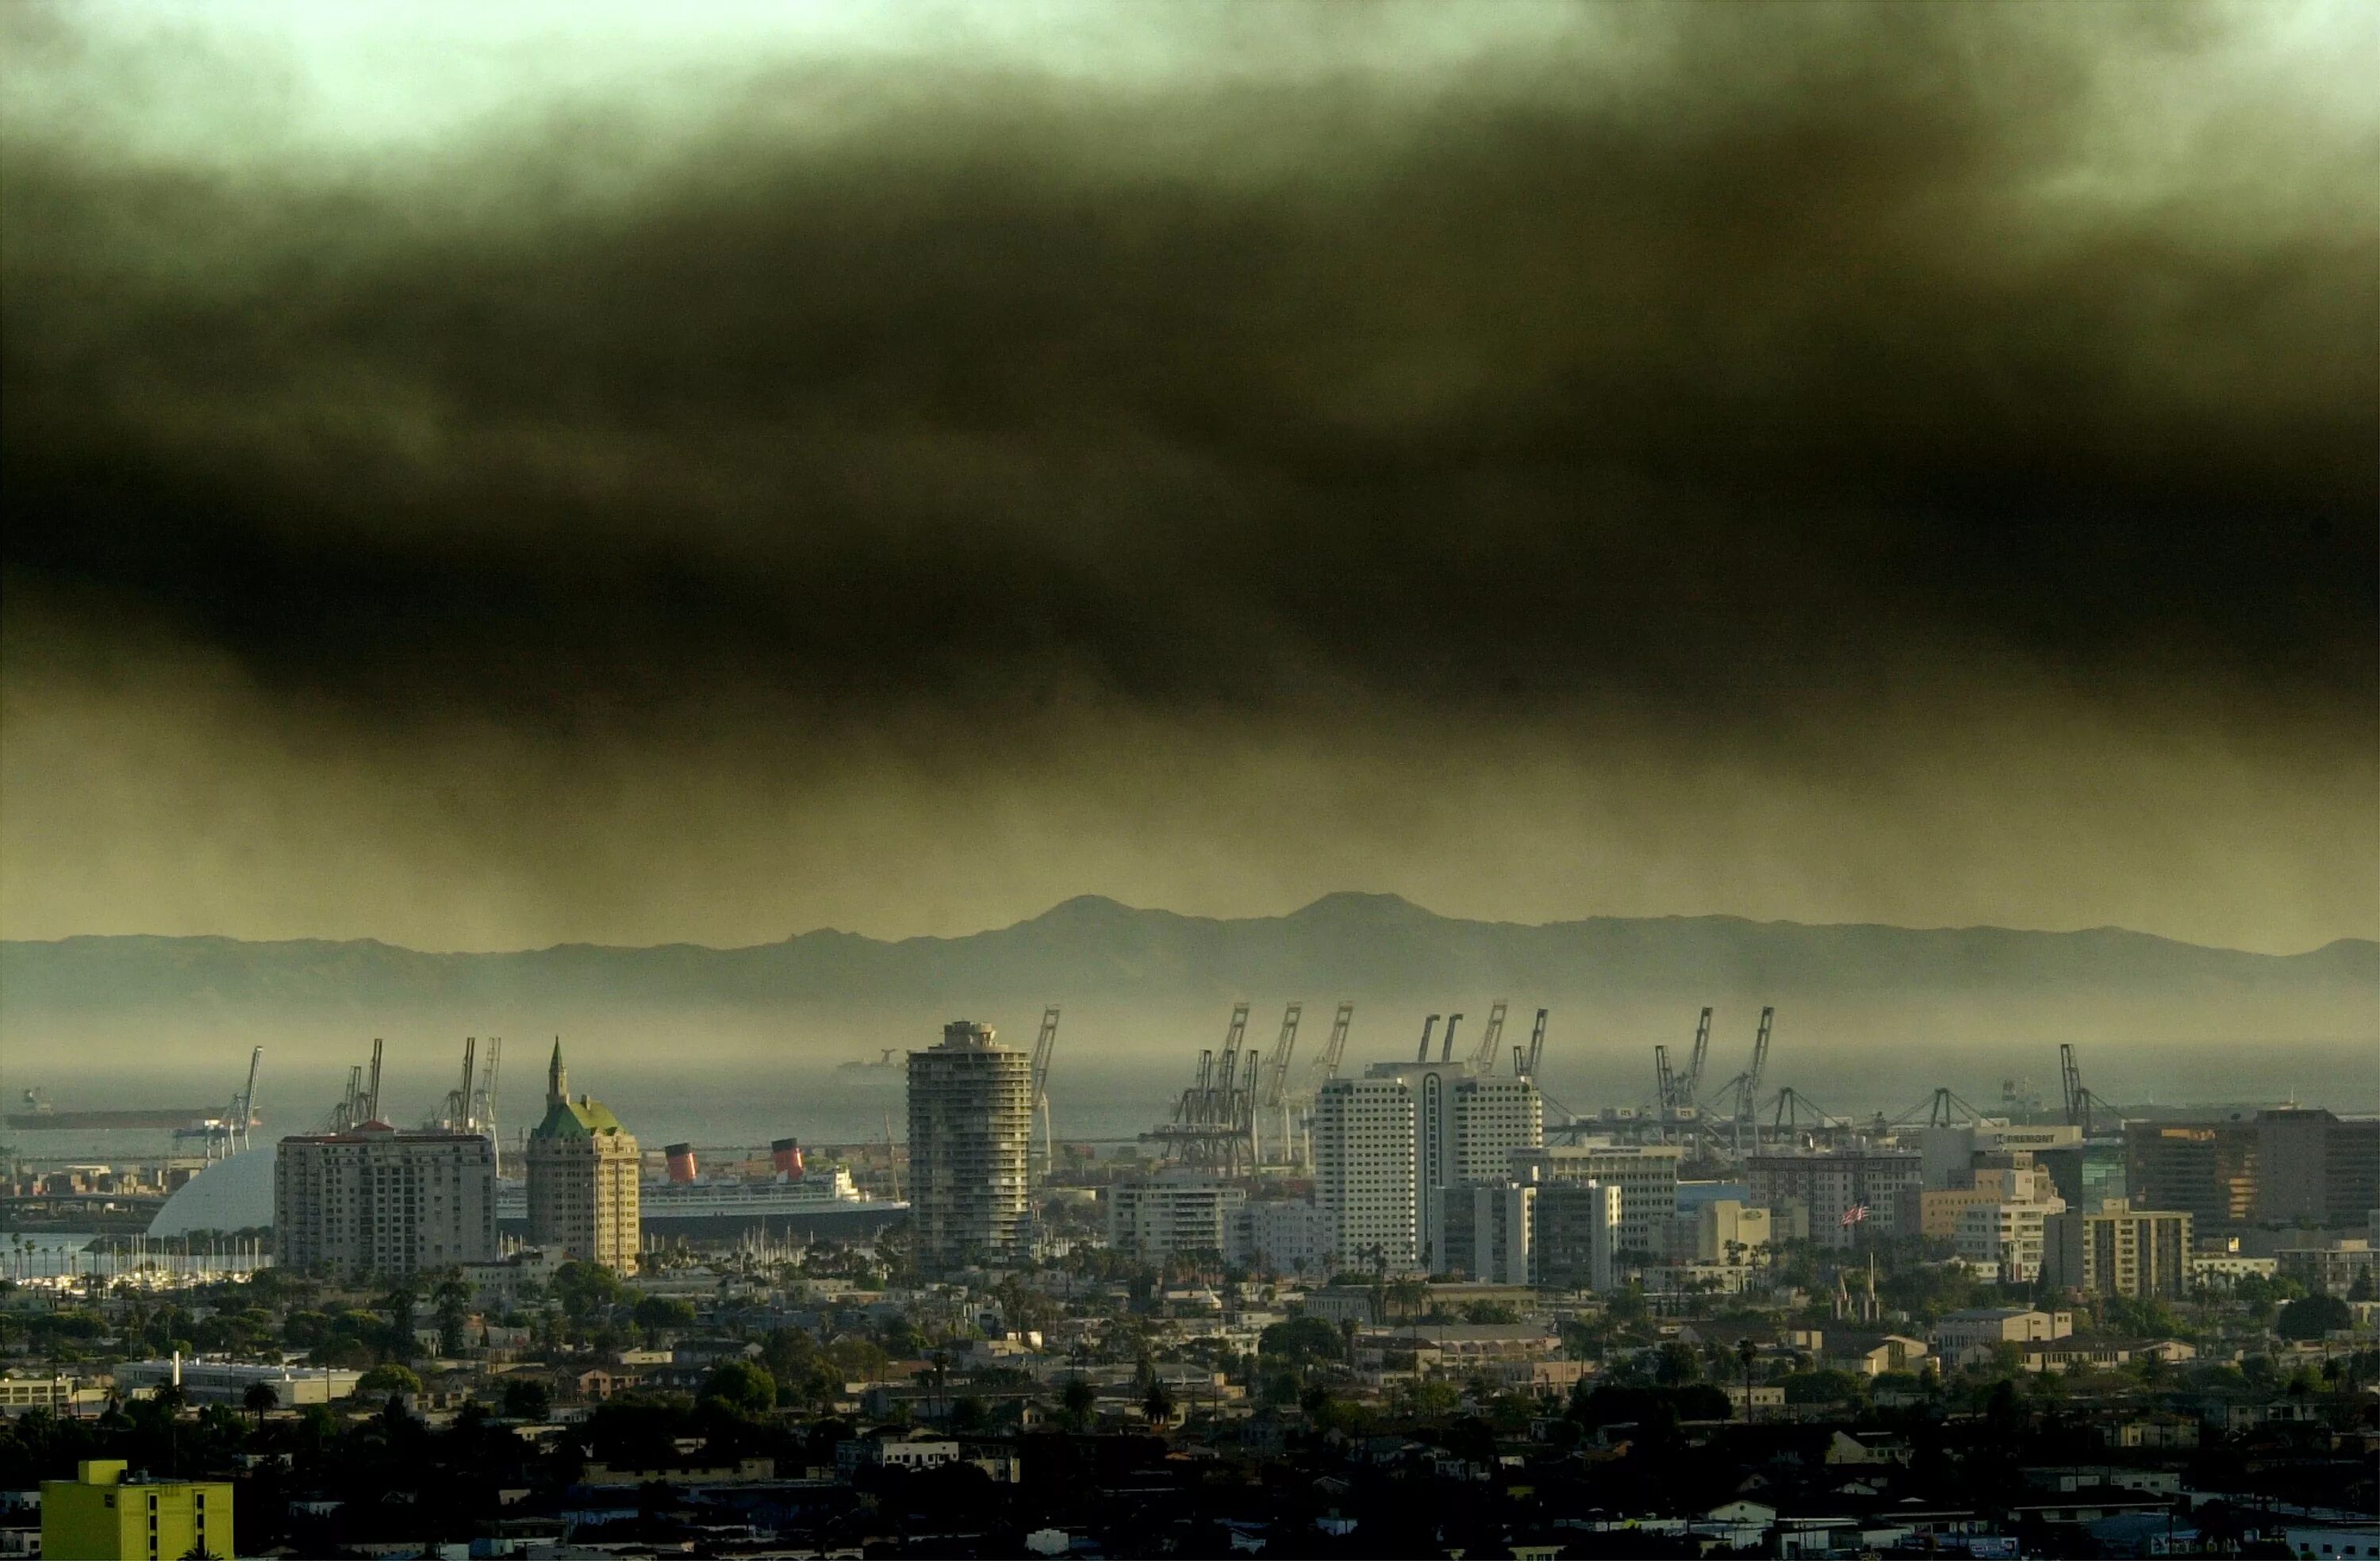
1908, 464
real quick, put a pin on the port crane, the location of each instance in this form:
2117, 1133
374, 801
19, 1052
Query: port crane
1214, 1121
1272, 1091
1527, 1065
243, 1117
1324, 1068
2082, 1107
1044, 1046
1742, 1092
1483, 1056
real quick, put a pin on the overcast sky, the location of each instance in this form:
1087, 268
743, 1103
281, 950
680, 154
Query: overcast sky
486, 476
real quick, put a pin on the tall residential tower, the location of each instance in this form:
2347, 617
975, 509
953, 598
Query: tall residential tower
970, 1122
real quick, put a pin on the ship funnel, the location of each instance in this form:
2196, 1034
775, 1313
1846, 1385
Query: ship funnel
788, 1154
681, 1162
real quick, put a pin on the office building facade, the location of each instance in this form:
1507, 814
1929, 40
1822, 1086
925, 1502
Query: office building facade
970, 1122
1484, 1231
1646, 1176
1578, 1235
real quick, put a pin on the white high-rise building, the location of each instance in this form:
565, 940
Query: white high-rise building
970, 1116
1465, 1130
1364, 1178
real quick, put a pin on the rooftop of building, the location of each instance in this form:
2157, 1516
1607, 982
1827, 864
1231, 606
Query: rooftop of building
381, 1132
583, 1117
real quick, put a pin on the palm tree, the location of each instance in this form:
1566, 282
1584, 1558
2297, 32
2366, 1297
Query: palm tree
260, 1400
1746, 1353
454, 1298
1078, 1399
1158, 1404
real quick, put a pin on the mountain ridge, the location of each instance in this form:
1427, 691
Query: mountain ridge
1312, 910
1092, 944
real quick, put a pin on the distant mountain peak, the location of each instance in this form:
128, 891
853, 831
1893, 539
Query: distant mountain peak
1351, 905
1086, 907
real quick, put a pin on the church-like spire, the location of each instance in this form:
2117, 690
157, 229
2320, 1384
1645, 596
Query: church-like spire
557, 1078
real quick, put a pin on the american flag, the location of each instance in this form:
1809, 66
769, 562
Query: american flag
1853, 1215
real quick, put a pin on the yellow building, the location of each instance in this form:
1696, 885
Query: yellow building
101, 1516
583, 1170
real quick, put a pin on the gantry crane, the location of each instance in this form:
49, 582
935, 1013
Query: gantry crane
1701, 1055
244, 1117
1324, 1068
1272, 1092
1527, 1067
1044, 1046
1483, 1056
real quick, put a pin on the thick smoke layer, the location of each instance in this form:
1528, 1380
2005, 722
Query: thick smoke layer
1903, 465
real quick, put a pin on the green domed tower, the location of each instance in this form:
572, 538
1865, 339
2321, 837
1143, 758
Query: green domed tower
582, 1178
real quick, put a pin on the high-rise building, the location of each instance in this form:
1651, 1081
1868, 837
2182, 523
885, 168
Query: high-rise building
2206, 1170
1645, 1176
1577, 1235
1465, 1127
583, 1177
101, 1516
376, 1202
1846, 1191
2134, 1253
2293, 1166
970, 1123
1179, 1211
1364, 1177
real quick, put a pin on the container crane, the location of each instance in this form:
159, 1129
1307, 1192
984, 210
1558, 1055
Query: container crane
1745, 1107
372, 1090
1428, 1025
1044, 1046
1701, 1055
1483, 1056
1272, 1094
1446, 1047
1536, 1046
458, 1104
244, 1117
